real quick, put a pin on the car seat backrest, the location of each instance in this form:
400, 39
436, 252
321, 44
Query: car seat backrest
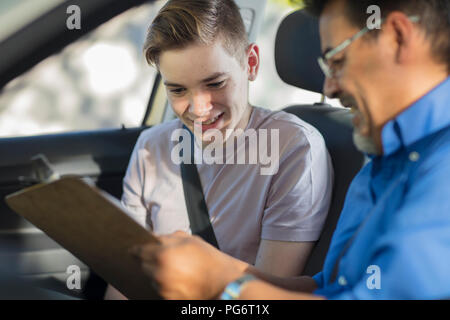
296, 50
297, 47
335, 126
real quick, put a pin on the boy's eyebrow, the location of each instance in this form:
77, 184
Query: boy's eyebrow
210, 78
170, 84
214, 76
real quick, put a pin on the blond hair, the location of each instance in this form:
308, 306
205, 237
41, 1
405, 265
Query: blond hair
184, 22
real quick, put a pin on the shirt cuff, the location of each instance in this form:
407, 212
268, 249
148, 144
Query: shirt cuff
318, 278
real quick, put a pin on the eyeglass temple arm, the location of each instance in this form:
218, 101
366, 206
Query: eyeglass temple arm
347, 42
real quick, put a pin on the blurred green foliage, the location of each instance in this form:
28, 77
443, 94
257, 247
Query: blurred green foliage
289, 3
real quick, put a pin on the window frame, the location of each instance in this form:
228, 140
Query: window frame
25, 48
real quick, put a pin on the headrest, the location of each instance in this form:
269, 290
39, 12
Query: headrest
297, 48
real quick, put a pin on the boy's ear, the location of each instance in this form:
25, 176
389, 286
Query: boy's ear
252, 61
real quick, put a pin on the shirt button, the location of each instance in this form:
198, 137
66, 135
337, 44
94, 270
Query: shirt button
414, 156
342, 281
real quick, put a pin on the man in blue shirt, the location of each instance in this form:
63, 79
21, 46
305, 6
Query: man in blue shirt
393, 237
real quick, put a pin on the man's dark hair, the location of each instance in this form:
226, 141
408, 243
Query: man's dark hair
434, 18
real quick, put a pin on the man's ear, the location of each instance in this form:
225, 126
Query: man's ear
252, 61
404, 34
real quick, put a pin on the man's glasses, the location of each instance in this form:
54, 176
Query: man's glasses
331, 71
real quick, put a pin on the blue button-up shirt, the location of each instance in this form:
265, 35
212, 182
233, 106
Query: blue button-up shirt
392, 240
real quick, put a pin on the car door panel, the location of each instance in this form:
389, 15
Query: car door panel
101, 155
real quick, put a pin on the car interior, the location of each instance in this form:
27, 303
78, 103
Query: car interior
295, 58
39, 262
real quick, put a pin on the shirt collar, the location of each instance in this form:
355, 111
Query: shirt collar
426, 116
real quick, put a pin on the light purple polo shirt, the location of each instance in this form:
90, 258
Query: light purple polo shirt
245, 206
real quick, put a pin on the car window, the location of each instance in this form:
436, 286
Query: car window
15, 14
268, 90
100, 81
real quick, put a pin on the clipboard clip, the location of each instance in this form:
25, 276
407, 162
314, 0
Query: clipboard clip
42, 171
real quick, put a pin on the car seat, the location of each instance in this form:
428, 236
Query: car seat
297, 48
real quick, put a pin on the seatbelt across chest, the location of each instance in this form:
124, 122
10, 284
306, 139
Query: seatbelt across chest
195, 201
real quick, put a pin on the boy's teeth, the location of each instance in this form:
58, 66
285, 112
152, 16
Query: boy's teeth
211, 120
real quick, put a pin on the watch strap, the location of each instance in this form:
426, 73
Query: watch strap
233, 289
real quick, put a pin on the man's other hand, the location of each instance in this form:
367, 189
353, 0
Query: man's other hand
186, 267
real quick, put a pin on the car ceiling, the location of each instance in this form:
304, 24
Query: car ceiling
49, 34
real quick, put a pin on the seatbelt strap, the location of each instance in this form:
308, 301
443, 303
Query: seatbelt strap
195, 201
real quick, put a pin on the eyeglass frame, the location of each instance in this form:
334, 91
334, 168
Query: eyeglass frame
322, 60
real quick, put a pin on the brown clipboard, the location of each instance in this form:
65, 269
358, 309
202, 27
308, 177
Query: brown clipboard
91, 225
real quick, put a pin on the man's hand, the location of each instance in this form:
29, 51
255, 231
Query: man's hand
186, 267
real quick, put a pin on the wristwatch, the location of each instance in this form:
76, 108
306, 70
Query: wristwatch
233, 290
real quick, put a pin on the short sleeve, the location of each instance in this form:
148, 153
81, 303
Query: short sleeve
300, 192
133, 183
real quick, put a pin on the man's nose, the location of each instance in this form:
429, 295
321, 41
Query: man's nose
200, 104
331, 88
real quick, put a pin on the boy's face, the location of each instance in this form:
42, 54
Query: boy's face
207, 87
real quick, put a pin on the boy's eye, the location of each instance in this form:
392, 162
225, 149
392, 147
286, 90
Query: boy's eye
177, 91
216, 84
